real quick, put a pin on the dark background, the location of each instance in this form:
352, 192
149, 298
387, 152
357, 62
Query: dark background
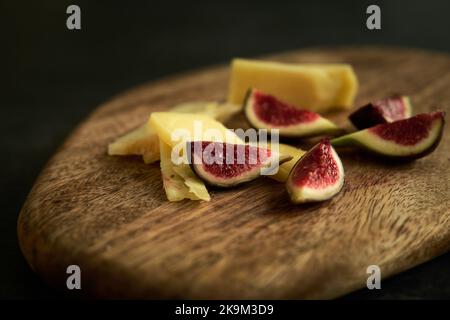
52, 78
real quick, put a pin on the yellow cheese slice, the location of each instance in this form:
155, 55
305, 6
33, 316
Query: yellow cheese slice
195, 185
144, 140
175, 128
220, 111
180, 182
140, 141
316, 87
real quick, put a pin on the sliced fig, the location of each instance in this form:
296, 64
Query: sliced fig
264, 111
316, 176
382, 111
226, 164
403, 139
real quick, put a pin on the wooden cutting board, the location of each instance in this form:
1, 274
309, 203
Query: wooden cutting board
110, 216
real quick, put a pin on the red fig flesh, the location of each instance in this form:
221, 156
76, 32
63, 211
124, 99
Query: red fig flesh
226, 165
317, 176
382, 111
403, 139
264, 111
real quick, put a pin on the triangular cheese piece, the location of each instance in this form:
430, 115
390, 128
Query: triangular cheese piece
144, 141
180, 182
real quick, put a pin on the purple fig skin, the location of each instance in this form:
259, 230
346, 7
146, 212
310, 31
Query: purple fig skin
370, 115
366, 117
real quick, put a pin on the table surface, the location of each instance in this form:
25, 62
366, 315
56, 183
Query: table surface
55, 77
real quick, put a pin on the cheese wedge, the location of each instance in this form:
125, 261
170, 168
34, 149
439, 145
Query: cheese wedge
176, 128
144, 141
140, 141
195, 185
180, 182
316, 87
220, 111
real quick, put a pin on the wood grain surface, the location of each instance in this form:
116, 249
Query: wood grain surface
110, 216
